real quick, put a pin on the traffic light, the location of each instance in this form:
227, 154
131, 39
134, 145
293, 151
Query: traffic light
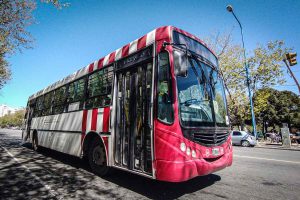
291, 57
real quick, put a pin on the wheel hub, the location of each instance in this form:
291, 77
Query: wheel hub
98, 156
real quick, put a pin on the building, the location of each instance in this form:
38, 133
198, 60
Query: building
6, 110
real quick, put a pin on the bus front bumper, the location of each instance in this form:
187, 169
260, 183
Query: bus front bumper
178, 171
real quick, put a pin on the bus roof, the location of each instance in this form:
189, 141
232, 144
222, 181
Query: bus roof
163, 32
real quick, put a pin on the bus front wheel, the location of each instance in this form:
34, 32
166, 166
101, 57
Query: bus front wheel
97, 158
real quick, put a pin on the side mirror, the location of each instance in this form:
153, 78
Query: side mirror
180, 63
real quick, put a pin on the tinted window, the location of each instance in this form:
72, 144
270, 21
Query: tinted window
99, 88
76, 91
76, 95
165, 106
59, 100
47, 104
195, 46
38, 107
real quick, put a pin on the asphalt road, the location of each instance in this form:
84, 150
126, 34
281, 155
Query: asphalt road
256, 174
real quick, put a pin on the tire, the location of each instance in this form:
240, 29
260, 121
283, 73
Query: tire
35, 144
97, 158
245, 143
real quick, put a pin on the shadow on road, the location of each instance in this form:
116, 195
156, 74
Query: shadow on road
161, 190
74, 180
147, 187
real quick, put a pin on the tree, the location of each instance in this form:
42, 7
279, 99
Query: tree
266, 64
230, 57
15, 17
58, 4
15, 119
277, 107
288, 108
264, 108
264, 67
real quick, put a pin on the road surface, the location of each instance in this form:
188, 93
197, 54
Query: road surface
255, 174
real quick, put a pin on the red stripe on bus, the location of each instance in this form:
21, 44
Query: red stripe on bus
100, 63
141, 42
162, 33
111, 57
94, 119
83, 128
125, 50
106, 119
91, 67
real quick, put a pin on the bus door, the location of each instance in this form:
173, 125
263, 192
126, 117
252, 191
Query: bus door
133, 125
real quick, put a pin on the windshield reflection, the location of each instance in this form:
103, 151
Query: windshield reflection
201, 96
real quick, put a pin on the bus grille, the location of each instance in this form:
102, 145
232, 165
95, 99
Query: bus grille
211, 138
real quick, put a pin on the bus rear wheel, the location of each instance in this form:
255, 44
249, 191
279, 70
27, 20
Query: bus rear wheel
35, 144
97, 158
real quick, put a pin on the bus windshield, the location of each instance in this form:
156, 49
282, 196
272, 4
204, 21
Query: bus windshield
201, 96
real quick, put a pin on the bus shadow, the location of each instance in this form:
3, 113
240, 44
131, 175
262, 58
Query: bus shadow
154, 189
149, 188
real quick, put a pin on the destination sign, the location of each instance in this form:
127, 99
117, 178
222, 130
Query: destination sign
138, 57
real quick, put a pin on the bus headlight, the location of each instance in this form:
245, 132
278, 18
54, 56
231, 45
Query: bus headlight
194, 154
182, 146
188, 151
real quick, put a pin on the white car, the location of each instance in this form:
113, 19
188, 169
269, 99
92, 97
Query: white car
242, 138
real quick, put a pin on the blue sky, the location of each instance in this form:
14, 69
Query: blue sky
71, 38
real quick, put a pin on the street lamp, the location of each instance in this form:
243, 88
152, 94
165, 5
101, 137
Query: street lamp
230, 9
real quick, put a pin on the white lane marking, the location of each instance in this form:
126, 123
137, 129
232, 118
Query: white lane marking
50, 190
269, 159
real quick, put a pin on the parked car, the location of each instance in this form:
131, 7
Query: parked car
259, 135
242, 138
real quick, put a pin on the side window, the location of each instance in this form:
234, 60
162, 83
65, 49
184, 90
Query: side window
31, 109
47, 104
76, 95
59, 100
38, 106
165, 107
99, 88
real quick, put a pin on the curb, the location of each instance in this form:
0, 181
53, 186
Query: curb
280, 148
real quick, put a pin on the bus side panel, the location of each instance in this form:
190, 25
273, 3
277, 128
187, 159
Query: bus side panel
60, 132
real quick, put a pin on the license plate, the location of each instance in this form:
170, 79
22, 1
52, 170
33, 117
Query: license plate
215, 151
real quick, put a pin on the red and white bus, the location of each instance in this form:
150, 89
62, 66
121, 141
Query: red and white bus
155, 107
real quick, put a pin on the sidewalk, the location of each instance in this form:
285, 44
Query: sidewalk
268, 145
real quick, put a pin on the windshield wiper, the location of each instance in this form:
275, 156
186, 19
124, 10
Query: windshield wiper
203, 78
190, 102
196, 73
197, 60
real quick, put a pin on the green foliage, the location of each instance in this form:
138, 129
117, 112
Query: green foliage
58, 4
15, 17
265, 71
277, 107
238, 107
15, 119
265, 64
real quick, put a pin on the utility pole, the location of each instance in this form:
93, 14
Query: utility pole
291, 57
248, 80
